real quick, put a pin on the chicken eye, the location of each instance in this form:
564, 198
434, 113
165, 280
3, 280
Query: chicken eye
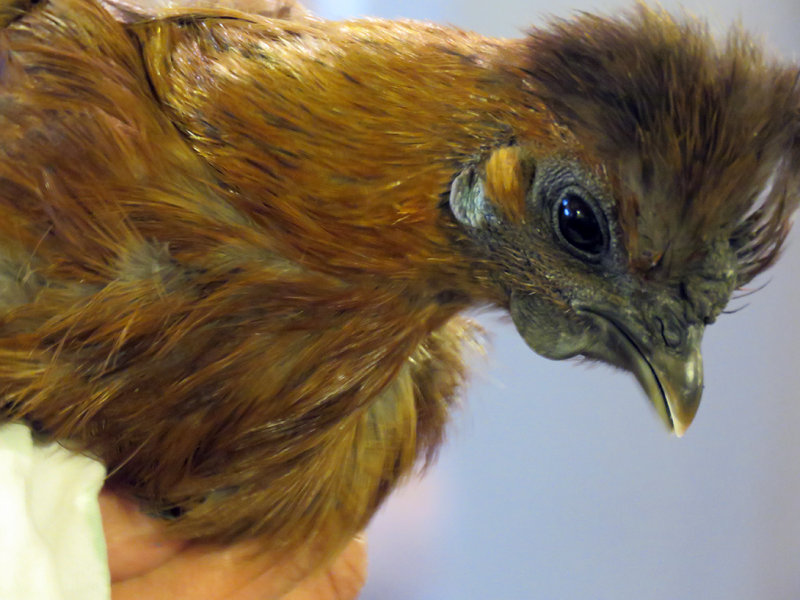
578, 224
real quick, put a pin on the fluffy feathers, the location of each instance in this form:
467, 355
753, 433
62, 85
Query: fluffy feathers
232, 265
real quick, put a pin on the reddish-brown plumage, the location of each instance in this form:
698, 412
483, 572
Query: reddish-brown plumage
203, 340
229, 265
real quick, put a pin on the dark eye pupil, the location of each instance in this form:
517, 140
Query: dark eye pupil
578, 224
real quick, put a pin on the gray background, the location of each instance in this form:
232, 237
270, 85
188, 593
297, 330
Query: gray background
558, 481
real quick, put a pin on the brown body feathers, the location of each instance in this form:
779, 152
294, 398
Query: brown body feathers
234, 248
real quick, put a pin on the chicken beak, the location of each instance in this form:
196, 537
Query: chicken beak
671, 374
672, 378
673, 382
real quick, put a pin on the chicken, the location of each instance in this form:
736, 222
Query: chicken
236, 248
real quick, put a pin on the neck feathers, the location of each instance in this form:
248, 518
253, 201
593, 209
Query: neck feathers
343, 136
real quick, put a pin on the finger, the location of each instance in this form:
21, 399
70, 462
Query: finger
213, 573
343, 580
135, 542
236, 573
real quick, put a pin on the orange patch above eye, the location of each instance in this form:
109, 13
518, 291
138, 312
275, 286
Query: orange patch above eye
507, 181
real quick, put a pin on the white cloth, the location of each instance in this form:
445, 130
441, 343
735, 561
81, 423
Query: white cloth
51, 534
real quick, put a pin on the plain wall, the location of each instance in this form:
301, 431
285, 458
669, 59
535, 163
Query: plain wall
558, 480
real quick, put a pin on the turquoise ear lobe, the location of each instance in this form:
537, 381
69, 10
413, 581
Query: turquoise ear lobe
468, 201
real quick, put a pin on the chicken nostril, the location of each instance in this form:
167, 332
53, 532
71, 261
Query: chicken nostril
670, 331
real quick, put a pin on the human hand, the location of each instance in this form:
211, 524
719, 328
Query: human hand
146, 564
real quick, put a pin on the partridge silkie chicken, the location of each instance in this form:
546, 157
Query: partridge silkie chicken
235, 246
